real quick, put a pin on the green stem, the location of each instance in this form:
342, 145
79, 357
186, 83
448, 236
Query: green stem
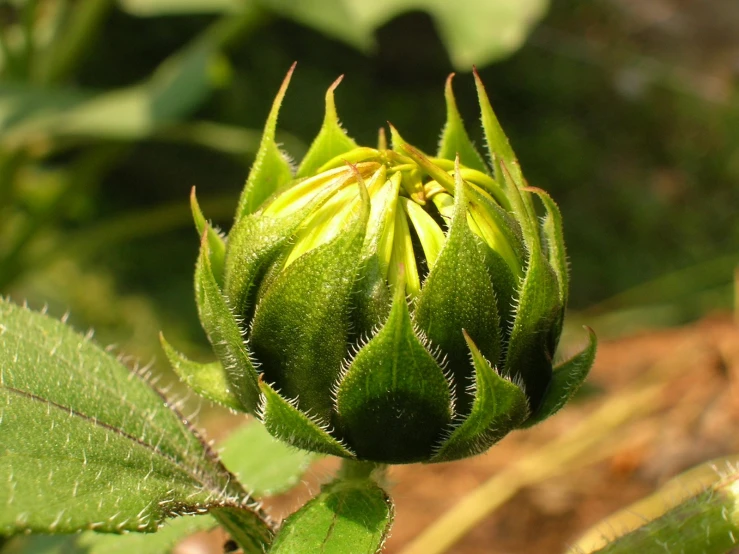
354, 469
246, 527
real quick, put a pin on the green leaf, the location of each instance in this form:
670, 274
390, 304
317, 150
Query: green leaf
499, 406
331, 141
499, 229
87, 444
473, 31
263, 465
538, 312
270, 170
555, 242
499, 147
348, 516
454, 138
371, 295
89, 542
179, 85
458, 294
566, 379
285, 422
208, 380
216, 243
240, 524
224, 335
301, 324
535, 331
393, 401
693, 513
255, 242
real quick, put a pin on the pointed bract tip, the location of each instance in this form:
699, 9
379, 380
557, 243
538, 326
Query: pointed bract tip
285, 83
360, 181
396, 140
201, 225
451, 102
479, 85
331, 114
381, 139
335, 84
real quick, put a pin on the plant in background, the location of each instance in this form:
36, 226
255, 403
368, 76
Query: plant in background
383, 305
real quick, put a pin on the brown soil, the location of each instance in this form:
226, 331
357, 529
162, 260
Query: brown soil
693, 418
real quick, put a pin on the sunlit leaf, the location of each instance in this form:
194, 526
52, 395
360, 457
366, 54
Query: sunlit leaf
348, 516
473, 31
178, 85
87, 444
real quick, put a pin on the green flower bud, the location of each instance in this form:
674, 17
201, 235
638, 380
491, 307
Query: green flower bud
383, 304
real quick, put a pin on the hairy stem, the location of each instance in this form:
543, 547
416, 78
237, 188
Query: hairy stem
707, 523
353, 469
246, 528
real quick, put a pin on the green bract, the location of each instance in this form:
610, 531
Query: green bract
383, 304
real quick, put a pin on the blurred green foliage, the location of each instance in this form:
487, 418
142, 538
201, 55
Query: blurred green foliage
110, 112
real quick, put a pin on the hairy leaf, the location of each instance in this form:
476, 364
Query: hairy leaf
458, 294
566, 379
87, 444
393, 401
287, 423
300, 327
454, 138
208, 380
348, 516
498, 407
270, 170
331, 141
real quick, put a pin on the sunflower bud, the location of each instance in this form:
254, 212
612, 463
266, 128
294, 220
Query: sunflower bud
384, 304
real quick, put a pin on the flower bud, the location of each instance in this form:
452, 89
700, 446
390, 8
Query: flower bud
383, 304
